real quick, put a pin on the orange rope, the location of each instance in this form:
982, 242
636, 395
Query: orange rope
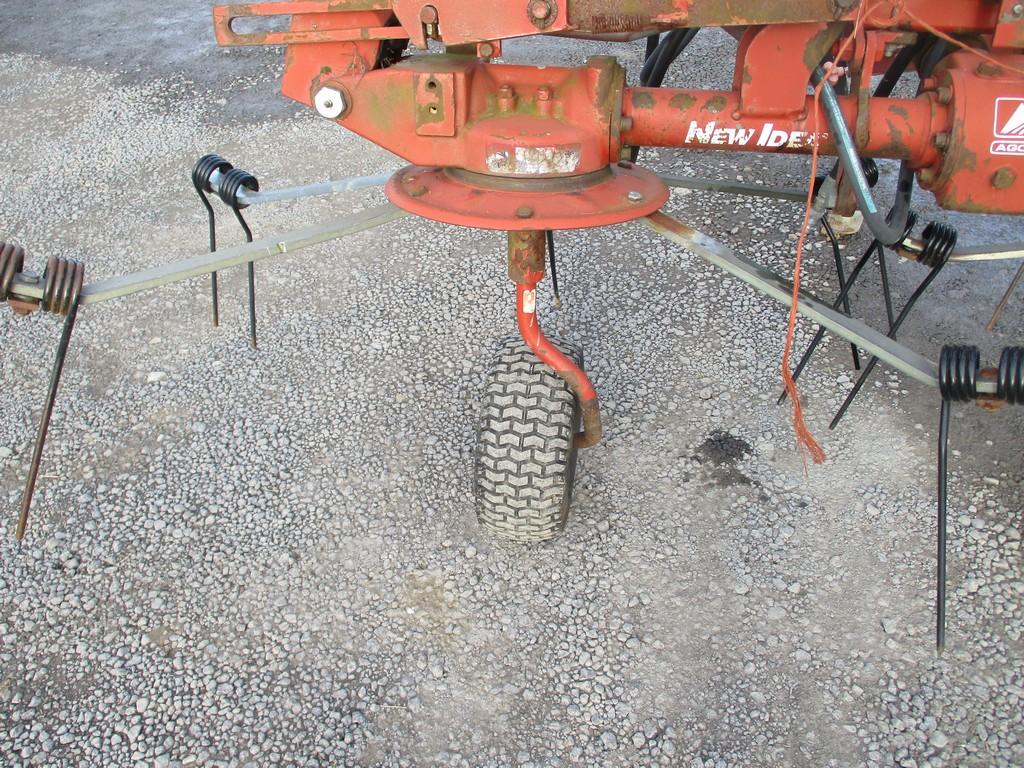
805, 440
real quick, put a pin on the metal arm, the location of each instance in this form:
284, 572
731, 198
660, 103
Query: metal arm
31, 287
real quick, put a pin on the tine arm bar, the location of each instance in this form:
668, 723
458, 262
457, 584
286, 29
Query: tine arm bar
30, 288
767, 282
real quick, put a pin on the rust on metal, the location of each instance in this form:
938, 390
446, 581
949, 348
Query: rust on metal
486, 201
526, 261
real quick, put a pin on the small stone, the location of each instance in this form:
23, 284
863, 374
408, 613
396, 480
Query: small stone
609, 740
155, 377
938, 740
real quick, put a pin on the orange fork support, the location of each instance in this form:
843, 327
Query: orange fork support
526, 257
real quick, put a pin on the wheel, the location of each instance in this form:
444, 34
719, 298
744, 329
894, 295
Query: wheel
525, 457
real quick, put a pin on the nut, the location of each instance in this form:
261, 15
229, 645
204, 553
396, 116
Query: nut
330, 102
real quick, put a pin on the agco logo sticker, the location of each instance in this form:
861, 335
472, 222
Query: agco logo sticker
1009, 127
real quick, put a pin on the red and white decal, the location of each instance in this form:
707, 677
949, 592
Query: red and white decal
769, 136
1009, 127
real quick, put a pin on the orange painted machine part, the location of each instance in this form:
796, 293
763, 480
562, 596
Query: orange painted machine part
526, 252
459, 22
982, 165
458, 112
668, 117
533, 124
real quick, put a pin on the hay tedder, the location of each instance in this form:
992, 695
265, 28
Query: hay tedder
532, 150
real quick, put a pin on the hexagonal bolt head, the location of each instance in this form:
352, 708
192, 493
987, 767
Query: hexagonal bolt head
330, 103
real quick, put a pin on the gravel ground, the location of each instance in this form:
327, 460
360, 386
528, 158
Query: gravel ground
271, 558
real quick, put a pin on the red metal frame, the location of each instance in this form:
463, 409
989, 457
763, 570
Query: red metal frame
530, 148
526, 252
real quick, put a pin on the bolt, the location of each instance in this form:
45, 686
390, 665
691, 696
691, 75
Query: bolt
428, 15
1004, 178
330, 102
524, 212
944, 94
941, 140
485, 50
987, 69
635, 197
544, 93
1017, 11
506, 98
539, 10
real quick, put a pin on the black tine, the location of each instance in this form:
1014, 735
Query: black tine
1005, 301
44, 422
554, 269
883, 270
841, 275
940, 561
251, 275
893, 330
820, 335
211, 218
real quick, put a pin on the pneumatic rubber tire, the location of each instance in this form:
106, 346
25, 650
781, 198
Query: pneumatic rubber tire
525, 457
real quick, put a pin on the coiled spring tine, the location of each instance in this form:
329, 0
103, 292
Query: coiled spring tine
959, 368
201, 174
61, 295
940, 241
231, 185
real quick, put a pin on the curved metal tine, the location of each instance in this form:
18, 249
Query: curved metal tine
211, 218
940, 555
893, 330
1005, 301
44, 421
554, 269
883, 270
820, 335
251, 274
841, 275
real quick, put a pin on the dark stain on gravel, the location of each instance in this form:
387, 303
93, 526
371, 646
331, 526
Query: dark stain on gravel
722, 451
